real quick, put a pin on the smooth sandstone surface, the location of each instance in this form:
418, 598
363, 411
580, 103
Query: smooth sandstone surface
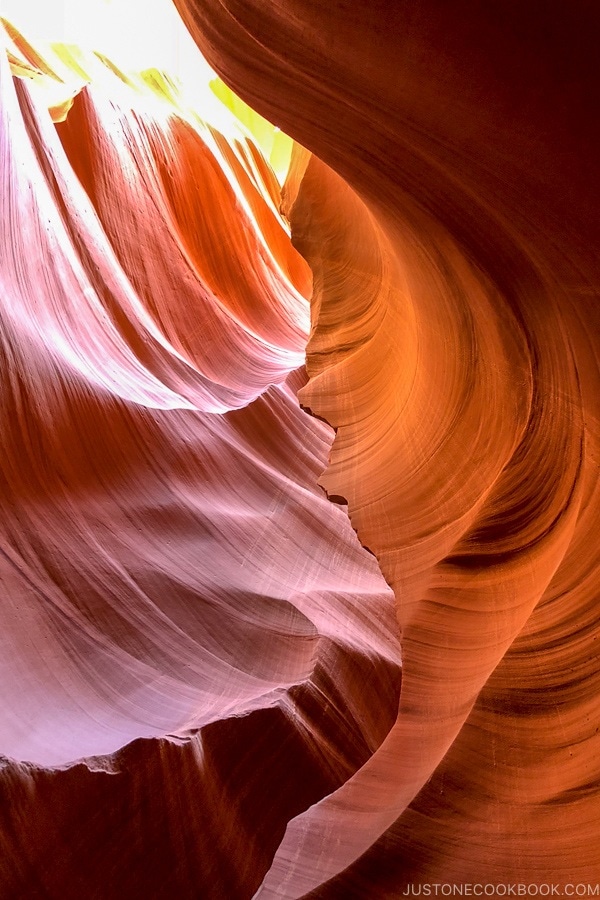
185, 616
455, 349
208, 688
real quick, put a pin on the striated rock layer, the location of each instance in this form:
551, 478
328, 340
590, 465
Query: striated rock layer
452, 231
195, 647
201, 690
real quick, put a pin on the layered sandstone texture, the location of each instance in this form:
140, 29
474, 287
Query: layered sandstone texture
287, 630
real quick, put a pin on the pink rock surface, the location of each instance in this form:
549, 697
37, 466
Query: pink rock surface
200, 663
171, 569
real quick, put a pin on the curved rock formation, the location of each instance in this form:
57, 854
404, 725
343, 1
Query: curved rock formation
455, 350
174, 578
170, 568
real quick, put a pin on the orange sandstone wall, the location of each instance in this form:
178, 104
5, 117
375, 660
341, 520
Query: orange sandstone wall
451, 225
208, 689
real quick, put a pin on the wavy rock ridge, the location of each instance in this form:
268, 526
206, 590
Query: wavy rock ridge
178, 576
171, 570
455, 349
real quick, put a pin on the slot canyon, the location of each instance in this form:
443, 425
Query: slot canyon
300, 456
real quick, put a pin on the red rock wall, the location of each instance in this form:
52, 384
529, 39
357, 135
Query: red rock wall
455, 349
202, 693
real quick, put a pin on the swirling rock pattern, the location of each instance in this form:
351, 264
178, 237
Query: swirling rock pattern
178, 576
455, 349
174, 579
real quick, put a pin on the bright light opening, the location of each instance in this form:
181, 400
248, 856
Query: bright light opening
144, 34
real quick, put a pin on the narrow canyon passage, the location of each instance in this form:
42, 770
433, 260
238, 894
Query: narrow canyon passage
217, 682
